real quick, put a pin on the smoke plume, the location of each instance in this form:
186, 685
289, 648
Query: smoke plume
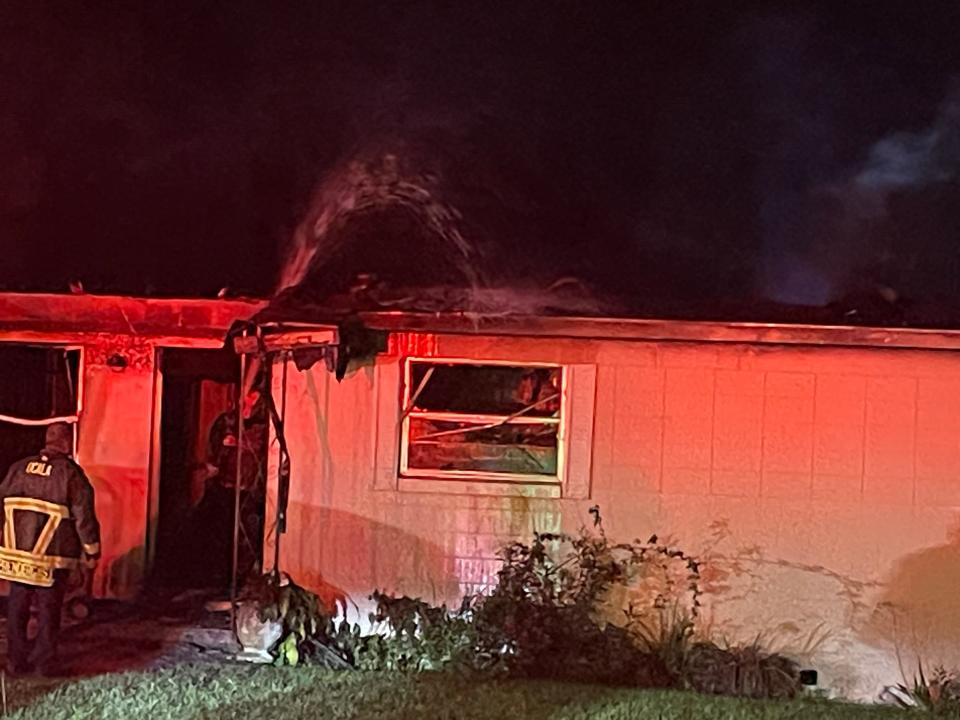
379, 185
832, 179
906, 162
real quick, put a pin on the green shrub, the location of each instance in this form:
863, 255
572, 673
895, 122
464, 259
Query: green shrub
938, 694
309, 632
411, 635
572, 608
742, 671
548, 615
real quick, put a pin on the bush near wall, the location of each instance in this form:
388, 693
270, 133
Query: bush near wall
571, 608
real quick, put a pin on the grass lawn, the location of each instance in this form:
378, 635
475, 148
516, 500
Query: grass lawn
266, 693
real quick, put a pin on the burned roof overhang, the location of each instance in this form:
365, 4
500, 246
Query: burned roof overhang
628, 329
253, 338
624, 329
339, 346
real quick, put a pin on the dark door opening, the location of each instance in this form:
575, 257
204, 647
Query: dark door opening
198, 417
37, 383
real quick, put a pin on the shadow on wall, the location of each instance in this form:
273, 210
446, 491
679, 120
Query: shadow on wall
918, 613
340, 555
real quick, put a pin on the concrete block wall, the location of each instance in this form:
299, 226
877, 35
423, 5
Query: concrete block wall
819, 482
880, 430
836, 472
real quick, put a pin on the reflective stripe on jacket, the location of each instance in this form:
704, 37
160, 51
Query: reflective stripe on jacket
48, 518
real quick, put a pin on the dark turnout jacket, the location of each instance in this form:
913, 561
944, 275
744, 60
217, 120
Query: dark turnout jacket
48, 518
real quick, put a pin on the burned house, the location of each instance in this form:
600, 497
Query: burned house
812, 466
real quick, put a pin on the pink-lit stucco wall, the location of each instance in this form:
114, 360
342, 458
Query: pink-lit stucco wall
820, 483
114, 449
118, 433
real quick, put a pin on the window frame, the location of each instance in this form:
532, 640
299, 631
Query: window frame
405, 472
74, 418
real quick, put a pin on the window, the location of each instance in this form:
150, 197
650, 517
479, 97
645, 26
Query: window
490, 421
37, 383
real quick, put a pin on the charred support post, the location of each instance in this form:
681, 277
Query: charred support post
316, 344
283, 488
265, 359
236, 493
283, 472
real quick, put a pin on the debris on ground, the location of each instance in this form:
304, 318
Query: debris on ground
158, 631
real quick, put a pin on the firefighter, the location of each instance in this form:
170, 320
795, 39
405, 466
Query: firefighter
216, 511
50, 528
222, 445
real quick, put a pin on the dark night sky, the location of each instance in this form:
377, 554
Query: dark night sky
697, 150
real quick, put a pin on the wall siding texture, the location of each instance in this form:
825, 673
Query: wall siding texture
821, 485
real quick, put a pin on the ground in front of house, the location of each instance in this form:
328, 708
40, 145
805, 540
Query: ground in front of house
164, 629
166, 658
268, 693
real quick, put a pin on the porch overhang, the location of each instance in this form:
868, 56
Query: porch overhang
275, 337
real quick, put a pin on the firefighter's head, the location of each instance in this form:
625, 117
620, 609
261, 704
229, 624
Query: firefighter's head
59, 438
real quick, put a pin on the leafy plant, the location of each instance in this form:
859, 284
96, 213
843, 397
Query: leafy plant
938, 694
703, 665
740, 671
309, 632
670, 638
787, 639
278, 598
411, 635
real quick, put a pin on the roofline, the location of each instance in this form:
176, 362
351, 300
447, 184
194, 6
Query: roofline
628, 329
209, 341
68, 317
114, 298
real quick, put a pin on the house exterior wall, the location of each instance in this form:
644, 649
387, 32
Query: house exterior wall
117, 435
819, 485
114, 433
114, 442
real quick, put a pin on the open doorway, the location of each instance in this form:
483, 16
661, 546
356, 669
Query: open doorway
197, 478
37, 383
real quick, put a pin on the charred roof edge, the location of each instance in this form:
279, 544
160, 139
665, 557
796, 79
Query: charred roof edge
666, 330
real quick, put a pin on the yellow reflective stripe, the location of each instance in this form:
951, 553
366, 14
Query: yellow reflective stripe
25, 556
54, 562
25, 567
42, 506
9, 537
46, 535
55, 514
25, 570
34, 566
91, 548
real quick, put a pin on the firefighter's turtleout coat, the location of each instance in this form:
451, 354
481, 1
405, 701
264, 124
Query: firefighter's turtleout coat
48, 519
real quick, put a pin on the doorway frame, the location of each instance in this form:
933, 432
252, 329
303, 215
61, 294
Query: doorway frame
155, 464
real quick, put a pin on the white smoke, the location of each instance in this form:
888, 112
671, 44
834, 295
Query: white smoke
841, 252
366, 184
904, 162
